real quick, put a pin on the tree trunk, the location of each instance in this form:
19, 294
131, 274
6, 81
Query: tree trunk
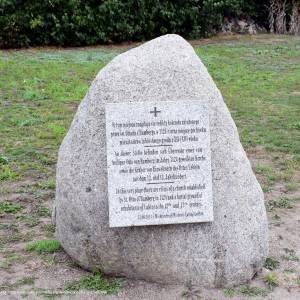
272, 16
277, 16
280, 23
295, 18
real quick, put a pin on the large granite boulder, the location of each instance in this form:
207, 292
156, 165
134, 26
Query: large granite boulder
227, 251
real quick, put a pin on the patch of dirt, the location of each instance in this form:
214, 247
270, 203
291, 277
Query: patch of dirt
72, 106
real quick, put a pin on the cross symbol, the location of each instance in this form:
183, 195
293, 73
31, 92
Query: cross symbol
155, 111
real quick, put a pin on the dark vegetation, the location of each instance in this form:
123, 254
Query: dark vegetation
76, 22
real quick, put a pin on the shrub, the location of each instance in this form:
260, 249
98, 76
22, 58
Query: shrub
78, 22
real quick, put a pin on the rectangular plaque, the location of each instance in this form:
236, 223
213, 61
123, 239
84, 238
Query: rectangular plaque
159, 163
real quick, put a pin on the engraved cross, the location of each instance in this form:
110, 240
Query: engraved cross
155, 111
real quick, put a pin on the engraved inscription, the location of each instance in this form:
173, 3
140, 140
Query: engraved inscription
159, 164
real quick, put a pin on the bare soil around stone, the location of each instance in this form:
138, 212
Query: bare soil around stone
259, 77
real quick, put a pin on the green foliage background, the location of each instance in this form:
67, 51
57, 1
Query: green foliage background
78, 22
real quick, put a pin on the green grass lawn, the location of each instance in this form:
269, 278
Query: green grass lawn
41, 89
261, 86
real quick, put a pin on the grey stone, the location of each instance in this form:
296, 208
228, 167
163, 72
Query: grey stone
227, 251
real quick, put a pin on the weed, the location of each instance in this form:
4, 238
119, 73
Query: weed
12, 234
44, 185
191, 292
3, 160
229, 292
291, 186
95, 282
11, 260
290, 270
26, 280
272, 263
9, 207
282, 202
50, 294
269, 176
44, 246
271, 279
295, 125
8, 226
31, 94
264, 169
50, 259
253, 291
276, 217
29, 220
49, 230
290, 254
43, 211
57, 130
6, 173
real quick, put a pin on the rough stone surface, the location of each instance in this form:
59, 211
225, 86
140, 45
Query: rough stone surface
225, 252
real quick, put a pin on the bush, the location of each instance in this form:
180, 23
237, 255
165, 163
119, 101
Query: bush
78, 22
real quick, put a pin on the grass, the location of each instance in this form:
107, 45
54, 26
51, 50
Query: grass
41, 89
44, 246
259, 98
39, 93
95, 282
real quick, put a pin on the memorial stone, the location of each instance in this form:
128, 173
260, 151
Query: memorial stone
105, 213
